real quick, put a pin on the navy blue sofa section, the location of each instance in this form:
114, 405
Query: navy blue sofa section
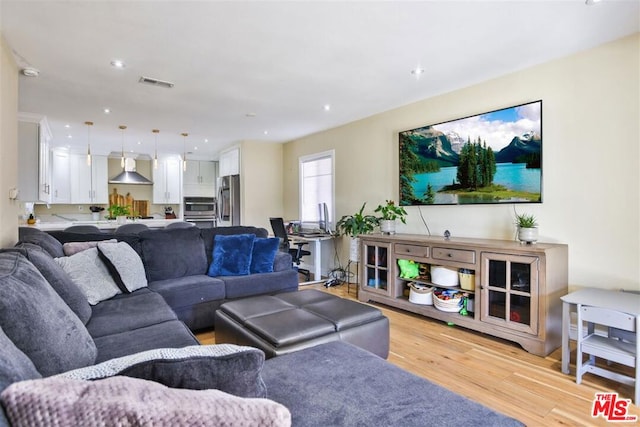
176, 263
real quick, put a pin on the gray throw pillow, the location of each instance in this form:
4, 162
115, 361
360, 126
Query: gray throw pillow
38, 321
228, 367
87, 270
124, 264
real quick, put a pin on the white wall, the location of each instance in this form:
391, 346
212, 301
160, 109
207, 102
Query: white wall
9, 209
260, 183
591, 182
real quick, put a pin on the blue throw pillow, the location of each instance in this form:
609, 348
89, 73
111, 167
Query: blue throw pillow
264, 252
231, 255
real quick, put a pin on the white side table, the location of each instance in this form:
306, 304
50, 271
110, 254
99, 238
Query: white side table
625, 302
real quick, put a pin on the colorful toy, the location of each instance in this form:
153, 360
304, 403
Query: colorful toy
408, 269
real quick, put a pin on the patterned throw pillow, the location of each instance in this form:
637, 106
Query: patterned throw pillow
122, 401
124, 264
87, 270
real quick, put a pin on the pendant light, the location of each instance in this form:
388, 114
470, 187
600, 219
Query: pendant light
89, 124
155, 158
184, 151
122, 128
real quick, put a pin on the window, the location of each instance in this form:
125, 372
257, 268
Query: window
316, 186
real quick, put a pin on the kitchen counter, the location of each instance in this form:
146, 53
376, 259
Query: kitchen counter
102, 224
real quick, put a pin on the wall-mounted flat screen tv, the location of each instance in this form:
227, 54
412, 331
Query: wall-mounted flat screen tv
494, 157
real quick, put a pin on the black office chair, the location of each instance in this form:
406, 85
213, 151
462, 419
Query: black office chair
277, 224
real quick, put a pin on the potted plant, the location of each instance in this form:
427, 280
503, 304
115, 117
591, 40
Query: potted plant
95, 212
119, 212
355, 225
527, 228
390, 213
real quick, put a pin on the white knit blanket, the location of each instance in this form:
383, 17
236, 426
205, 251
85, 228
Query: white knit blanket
124, 401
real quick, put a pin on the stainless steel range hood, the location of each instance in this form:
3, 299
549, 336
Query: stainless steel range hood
129, 175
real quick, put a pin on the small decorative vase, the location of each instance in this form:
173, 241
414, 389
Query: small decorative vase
388, 226
121, 219
354, 249
528, 235
95, 216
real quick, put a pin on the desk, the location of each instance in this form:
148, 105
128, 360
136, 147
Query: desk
626, 302
317, 251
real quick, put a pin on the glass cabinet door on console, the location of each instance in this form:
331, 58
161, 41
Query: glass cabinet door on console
375, 266
510, 291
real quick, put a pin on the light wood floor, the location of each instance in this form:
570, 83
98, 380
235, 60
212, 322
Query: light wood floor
494, 372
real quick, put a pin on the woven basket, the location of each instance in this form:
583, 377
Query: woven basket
450, 305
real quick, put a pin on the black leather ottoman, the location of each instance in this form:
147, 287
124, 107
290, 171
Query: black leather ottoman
283, 323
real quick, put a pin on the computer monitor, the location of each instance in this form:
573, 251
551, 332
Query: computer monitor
323, 218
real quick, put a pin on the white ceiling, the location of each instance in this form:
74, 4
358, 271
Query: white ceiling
282, 61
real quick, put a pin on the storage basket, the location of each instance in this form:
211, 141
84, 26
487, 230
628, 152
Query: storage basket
467, 281
444, 276
420, 294
451, 305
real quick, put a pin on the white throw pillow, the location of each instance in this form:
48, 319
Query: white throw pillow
87, 270
125, 265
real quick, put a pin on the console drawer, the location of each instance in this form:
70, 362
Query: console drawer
459, 255
413, 250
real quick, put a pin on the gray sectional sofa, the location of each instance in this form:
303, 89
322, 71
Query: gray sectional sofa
49, 335
176, 263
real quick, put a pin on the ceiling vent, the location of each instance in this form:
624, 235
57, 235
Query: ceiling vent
155, 82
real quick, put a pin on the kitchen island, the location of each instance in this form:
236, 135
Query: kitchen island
106, 225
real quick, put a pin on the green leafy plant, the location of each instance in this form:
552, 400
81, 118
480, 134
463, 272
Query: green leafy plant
119, 210
526, 221
356, 224
391, 212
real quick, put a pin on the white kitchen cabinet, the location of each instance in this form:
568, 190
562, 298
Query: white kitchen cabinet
230, 162
60, 177
89, 183
167, 181
200, 178
34, 159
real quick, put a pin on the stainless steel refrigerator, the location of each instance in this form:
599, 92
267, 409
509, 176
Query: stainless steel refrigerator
229, 201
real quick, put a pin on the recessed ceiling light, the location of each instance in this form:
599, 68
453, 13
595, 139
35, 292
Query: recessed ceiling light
266, 132
206, 140
117, 63
107, 110
69, 136
67, 126
139, 142
417, 72
327, 107
195, 148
